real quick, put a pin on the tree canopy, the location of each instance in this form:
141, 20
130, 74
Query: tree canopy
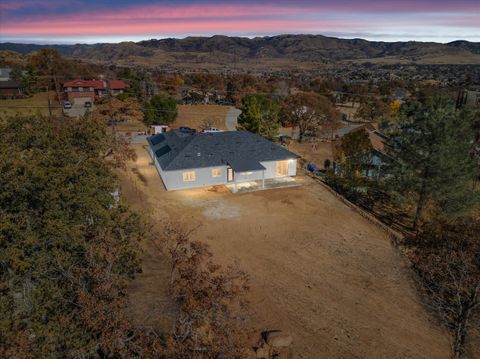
432, 146
67, 247
160, 110
308, 111
259, 115
354, 152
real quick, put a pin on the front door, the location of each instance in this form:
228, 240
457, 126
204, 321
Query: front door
229, 174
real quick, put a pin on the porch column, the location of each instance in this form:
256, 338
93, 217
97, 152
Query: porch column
263, 179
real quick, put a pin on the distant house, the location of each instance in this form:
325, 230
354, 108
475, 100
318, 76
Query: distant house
352, 128
11, 89
92, 89
186, 159
5, 73
378, 164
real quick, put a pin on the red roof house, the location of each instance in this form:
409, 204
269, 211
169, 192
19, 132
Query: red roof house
92, 89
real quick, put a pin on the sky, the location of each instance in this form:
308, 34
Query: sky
87, 21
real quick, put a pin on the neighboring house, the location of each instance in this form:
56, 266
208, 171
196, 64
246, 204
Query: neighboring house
378, 164
11, 89
185, 159
380, 161
5, 73
92, 89
352, 128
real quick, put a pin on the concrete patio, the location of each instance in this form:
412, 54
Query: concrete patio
260, 185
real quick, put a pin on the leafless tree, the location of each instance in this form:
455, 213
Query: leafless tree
446, 258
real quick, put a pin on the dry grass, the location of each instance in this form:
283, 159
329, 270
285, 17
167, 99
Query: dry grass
194, 116
38, 103
131, 126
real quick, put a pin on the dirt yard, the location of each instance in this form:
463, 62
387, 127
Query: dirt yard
318, 269
195, 116
316, 155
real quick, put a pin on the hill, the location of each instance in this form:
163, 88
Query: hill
281, 50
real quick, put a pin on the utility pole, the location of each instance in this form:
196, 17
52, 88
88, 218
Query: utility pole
49, 104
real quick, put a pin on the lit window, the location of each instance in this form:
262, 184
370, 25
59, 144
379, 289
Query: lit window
282, 168
216, 172
189, 176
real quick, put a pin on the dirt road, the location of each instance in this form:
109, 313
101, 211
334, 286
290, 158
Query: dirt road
318, 269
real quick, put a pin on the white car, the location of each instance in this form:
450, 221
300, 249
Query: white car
211, 130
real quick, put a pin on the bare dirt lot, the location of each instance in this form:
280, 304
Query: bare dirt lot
195, 116
316, 155
318, 269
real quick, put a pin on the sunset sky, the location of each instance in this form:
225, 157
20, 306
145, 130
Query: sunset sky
52, 21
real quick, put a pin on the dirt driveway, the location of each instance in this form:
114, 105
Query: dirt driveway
318, 269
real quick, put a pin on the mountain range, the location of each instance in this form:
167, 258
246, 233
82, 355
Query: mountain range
280, 50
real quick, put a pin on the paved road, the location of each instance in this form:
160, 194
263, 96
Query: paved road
139, 139
231, 118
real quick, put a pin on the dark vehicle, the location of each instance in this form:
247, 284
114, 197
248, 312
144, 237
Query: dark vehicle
184, 129
87, 104
67, 105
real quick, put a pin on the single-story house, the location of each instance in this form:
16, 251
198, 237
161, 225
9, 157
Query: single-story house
5, 73
11, 89
92, 89
379, 162
186, 159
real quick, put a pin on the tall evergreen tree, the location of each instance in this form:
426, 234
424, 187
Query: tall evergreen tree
432, 146
259, 115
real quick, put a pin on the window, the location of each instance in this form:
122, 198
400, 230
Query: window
282, 168
189, 176
216, 172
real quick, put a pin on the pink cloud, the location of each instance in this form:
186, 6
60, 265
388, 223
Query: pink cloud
264, 17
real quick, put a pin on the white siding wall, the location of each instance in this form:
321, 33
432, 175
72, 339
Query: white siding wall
203, 176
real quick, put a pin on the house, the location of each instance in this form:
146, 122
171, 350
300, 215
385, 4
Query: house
352, 128
5, 73
187, 159
11, 89
89, 90
379, 162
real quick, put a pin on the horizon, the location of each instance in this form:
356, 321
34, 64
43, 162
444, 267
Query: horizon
71, 43
109, 21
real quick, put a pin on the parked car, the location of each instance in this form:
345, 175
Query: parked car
87, 104
185, 129
67, 105
212, 130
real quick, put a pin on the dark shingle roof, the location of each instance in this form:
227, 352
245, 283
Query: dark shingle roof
240, 149
10, 84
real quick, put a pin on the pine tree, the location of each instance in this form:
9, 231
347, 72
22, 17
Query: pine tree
432, 146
